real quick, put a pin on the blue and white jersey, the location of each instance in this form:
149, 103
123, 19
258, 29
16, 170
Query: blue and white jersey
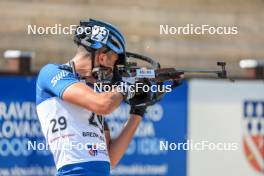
75, 135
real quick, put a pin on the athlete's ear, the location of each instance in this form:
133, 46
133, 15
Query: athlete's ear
102, 58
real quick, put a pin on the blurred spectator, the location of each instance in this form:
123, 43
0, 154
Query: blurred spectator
254, 68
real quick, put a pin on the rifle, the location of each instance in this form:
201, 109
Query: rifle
155, 74
163, 74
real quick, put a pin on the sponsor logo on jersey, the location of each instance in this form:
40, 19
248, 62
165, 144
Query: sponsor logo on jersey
92, 150
253, 133
92, 134
58, 77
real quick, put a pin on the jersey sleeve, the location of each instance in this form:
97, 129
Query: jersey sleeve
55, 81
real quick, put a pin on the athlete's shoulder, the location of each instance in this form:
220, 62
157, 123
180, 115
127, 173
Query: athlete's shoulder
48, 69
54, 79
52, 73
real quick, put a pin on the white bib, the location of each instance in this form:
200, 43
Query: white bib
73, 133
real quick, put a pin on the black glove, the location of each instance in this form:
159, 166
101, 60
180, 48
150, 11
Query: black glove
126, 89
138, 110
139, 103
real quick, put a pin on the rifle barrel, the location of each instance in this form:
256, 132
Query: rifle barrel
199, 71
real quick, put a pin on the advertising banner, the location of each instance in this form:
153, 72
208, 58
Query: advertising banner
19, 125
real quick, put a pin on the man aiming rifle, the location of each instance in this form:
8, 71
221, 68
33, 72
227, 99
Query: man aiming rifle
71, 112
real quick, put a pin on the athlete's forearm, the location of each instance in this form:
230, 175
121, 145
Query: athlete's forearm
100, 103
118, 146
